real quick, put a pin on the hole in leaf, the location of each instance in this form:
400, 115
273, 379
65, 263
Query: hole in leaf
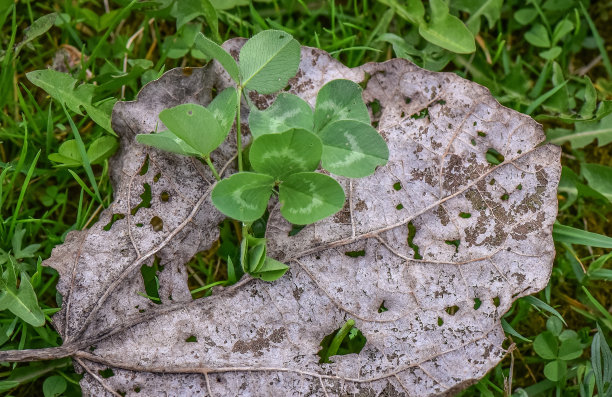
375, 124
441, 102
475, 124
496, 301
455, 243
366, 79
164, 196
139, 225
92, 348
494, 157
505, 197
473, 141
106, 373
145, 166
157, 223
440, 321
519, 151
477, 303
355, 254
399, 207
452, 310
397, 186
465, 215
403, 114
421, 114
382, 308
481, 133
519, 187
114, 219
345, 340
187, 71
145, 199
407, 100
288, 87
136, 389
156, 177
375, 106
492, 181
450, 126
280, 37
191, 339
411, 244
295, 229
190, 112
151, 281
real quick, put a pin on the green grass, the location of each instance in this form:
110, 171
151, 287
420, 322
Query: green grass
531, 60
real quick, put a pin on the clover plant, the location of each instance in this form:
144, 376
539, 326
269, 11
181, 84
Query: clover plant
290, 141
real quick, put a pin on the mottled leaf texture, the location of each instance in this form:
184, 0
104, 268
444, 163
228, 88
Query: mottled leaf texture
424, 259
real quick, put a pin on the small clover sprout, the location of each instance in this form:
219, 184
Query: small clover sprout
290, 142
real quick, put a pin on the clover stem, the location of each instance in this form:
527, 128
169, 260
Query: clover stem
339, 337
238, 132
212, 167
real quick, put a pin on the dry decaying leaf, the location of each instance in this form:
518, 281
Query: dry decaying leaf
448, 239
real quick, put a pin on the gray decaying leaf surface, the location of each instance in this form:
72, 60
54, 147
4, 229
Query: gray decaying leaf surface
258, 338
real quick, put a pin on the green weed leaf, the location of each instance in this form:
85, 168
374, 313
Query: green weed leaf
599, 178
101, 149
281, 155
288, 111
195, 125
61, 86
268, 60
570, 349
538, 36
339, 100
546, 345
54, 386
308, 197
167, 141
271, 270
187, 10
243, 196
446, 30
223, 108
555, 370
22, 301
38, 28
215, 51
352, 148
68, 155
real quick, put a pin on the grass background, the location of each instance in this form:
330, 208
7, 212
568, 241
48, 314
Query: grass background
564, 81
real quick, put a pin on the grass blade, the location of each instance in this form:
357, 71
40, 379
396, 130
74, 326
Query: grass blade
83, 152
571, 235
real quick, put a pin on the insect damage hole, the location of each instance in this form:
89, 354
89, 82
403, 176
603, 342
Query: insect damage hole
355, 254
397, 186
347, 339
451, 310
114, 219
157, 223
106, 373
191, 339
465, 215
421, 114
411, 244
145, 166
440, 321
164, 196
477, 303
382, 308
145, 201
455, 243
151, 280
494, 157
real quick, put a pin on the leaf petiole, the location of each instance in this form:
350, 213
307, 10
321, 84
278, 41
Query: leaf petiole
238, 129
212, 167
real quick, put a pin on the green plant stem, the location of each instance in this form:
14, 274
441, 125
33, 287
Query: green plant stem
212, 167
238, 132
339, 337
